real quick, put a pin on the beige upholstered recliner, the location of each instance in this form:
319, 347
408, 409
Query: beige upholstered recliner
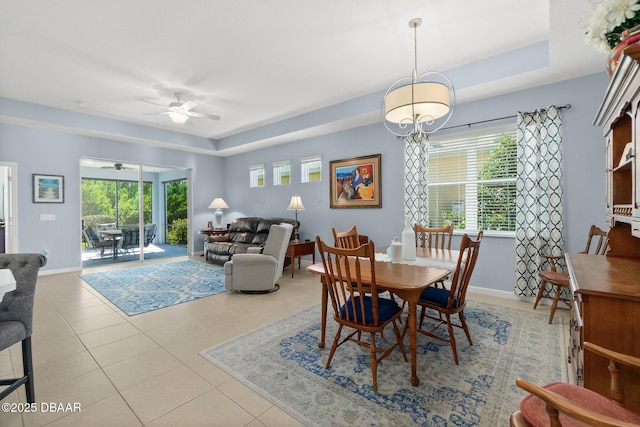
259, 272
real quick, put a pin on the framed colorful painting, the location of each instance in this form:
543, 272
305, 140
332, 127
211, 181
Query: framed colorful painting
48, 188
355, 183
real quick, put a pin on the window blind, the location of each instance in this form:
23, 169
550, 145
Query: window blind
472, 180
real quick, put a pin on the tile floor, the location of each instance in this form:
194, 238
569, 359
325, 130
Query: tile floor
145, 369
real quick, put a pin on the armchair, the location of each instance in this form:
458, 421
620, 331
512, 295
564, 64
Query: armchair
256, 272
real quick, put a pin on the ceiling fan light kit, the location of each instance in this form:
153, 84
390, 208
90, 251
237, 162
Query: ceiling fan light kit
179, 112
178, 117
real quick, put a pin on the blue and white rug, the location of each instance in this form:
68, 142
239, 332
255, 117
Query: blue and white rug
141, 289
282, 362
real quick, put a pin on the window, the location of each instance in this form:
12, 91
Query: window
311, 168
472, 180
281, 172
256, 176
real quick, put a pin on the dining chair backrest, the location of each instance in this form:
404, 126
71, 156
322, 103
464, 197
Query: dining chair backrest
346, 239
433, 238
464, 268
598, 241
349, 275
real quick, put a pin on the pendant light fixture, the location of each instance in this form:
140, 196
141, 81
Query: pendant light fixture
417, 106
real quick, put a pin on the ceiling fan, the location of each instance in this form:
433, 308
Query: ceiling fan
116, 166
179, 111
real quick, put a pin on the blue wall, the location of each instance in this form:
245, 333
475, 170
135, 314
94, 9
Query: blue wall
53, 152
583, 176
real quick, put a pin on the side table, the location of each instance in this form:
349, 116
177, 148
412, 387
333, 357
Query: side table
299, 249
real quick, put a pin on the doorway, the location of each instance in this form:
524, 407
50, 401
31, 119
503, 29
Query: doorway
8, 206
124, 212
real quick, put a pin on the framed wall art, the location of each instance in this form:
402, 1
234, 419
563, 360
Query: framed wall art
48, 188
355, 182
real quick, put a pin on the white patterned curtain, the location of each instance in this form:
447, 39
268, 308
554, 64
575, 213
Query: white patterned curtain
539, 223
415, 178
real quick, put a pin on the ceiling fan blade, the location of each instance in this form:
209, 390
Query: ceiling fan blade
153, 103
188, 105
202, 115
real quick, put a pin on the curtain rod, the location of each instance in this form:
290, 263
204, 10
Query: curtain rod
567, 106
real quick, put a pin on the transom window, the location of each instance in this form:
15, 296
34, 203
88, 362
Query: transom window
282, 172
311, 168
256, 176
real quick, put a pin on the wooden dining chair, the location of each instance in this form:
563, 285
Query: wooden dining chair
433, 238
356, 305
447, 302
559, 403
557, 275
346, 239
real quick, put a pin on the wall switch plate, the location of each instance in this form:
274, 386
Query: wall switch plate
47, 217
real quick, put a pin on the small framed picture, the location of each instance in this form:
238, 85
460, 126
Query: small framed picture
48, 188
210, 225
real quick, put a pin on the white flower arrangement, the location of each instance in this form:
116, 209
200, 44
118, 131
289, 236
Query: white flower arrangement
610, 18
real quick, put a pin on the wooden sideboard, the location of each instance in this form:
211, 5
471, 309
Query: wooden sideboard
605, 311
606, 289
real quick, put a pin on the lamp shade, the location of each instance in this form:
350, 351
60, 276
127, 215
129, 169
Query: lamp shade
218, 203
296, 204
419, 101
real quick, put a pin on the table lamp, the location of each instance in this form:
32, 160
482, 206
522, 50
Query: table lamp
296, 205
218, 204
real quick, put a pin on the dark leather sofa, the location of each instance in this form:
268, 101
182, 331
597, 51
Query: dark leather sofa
242, 234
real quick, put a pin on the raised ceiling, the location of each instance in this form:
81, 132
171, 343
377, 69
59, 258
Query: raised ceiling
259, 62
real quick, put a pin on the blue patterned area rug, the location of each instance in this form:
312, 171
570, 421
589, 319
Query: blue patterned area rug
141, 289
282, 362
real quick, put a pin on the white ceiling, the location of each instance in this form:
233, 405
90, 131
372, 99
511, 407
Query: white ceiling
256, 62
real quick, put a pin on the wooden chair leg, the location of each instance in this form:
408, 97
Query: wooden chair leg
463, 322
541, 290
452, 339
374, 361
554, 305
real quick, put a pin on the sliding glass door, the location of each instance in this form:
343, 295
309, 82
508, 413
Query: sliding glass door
130, 211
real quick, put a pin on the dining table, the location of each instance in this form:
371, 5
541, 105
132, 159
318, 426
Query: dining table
406, 279
114, 236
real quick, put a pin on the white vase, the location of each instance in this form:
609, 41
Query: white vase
396, 250
408, 241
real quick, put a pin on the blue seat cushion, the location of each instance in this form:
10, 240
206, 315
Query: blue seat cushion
437, 296
386, 309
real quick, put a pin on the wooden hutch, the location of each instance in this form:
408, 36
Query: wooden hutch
606, 289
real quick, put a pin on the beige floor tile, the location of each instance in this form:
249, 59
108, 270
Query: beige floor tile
163, 394
276, 417
61, 370
204, 411
140, 368
110, 412
109, 334
79, 392
47, 349
97, 322
123, 349
248, 399
87, 312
